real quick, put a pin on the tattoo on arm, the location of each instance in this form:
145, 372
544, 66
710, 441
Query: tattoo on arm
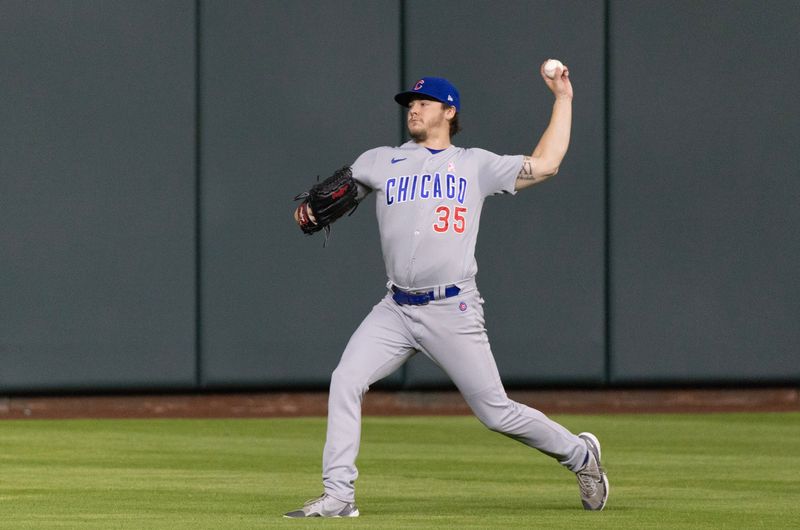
526, 173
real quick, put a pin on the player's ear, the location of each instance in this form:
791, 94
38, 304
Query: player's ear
449, 112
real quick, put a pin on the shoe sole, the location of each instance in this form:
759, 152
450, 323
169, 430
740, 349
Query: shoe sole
592, 439
354, 513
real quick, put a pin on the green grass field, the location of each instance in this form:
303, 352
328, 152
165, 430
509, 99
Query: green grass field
666, 471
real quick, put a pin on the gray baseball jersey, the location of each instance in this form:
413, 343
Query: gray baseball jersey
428, 209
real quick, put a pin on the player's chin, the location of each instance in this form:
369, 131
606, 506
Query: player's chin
418, 134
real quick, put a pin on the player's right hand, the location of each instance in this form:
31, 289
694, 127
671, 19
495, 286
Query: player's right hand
560, 84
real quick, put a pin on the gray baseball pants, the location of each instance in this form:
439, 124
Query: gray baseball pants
451, 333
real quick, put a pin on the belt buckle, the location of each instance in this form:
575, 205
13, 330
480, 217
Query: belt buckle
418, 297
411, 297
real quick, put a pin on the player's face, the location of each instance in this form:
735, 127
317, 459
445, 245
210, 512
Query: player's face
424, 117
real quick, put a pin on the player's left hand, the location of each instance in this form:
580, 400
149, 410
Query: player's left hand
560, 84
303, 215
327, 201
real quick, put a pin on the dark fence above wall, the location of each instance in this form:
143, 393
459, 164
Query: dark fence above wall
704, 187
97, 201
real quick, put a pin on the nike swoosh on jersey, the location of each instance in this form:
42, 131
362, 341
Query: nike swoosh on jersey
396, 160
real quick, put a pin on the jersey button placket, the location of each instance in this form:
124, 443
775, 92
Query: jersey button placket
418, 222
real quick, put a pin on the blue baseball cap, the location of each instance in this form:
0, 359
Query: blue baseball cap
437, 88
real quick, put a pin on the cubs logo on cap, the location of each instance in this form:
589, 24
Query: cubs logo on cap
437, 88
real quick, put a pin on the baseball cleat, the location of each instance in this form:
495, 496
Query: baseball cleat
325, 506
592, 479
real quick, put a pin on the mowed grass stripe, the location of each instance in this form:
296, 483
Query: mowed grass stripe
666, 471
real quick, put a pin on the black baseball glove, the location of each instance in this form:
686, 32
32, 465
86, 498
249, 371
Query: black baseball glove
327, 201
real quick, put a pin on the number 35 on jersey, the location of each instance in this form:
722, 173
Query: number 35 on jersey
450, 219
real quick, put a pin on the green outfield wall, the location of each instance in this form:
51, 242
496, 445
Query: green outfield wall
150, 152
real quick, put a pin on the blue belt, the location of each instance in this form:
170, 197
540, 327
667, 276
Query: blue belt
421, 298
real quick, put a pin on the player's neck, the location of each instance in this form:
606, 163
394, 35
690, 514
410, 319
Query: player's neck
436, 143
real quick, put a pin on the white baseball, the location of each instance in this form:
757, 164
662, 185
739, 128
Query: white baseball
550, 67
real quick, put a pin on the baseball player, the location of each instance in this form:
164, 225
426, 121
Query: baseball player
429, 195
